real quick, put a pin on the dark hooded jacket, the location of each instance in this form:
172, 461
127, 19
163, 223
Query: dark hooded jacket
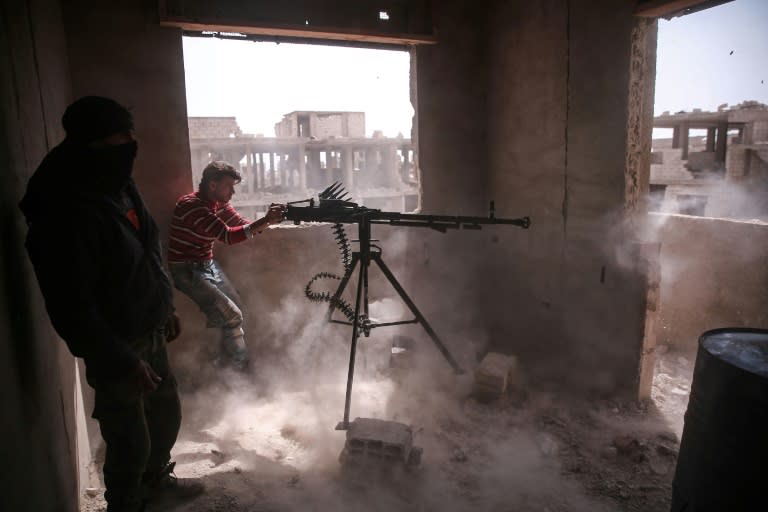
103, 281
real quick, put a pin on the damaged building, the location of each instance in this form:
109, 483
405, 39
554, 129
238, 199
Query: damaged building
721, 174
553, 103
310, 151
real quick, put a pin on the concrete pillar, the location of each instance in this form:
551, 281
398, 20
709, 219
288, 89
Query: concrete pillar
711, 139
260, 169
676, 137
371, 166
406, 163
684, 140
389, 165
302, 166
347, 167
287, 166
197, 165
722, 142
272, 171
250, 175
314, 179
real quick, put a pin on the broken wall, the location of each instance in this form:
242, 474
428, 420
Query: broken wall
37, 373
713, 275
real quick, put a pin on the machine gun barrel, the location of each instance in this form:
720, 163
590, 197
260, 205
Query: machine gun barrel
351, 214
443, 222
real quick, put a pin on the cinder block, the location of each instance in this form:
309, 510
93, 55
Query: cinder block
494, 375
373, 440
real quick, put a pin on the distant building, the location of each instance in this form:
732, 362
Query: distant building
311, 151
721, 174
321, 125
213, 127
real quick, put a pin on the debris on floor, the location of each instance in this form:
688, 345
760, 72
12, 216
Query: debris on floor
280, 452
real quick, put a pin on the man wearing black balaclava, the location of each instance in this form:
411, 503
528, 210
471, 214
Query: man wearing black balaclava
96, 254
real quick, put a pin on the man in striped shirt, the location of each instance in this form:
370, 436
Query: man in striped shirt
200, 219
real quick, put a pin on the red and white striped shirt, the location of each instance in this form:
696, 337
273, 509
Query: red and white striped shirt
197, 223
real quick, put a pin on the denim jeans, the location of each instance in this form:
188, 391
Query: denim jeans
207, 285
139, 429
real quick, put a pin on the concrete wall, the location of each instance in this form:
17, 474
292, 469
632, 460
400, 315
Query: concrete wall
117, 49
713, 274
449, 92
570, 293
38, 449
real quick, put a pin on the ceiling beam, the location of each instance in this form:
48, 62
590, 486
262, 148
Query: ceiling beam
671, 8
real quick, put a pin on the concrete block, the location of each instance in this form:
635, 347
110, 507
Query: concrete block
372, 440
494, 375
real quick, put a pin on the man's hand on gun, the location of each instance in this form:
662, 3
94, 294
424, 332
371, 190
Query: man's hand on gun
275, 214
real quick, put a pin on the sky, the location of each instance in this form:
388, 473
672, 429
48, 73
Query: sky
259, 82
715, 56
719, 55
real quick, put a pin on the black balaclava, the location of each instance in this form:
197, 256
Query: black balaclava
107, 168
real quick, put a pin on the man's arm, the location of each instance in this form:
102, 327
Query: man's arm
208, 224
274, 215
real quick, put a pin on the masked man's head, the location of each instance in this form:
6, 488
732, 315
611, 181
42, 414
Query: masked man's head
101, 131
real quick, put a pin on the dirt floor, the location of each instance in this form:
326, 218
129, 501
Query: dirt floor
261, 448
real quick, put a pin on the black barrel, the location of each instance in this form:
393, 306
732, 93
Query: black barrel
723, 460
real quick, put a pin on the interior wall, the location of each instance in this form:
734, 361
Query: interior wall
118, 49
450, 105
571, 291
37, 373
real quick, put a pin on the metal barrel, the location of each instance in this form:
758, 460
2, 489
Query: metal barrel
723, 459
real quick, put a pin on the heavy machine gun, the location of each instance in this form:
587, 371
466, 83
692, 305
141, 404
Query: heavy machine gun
335, 207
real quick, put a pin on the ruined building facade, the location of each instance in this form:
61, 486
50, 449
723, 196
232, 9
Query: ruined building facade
723, 173
310, 151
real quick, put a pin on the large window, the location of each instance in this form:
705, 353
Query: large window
295, 118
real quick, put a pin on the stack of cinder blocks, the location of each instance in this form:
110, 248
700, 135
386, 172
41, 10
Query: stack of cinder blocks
496, 374
372, 440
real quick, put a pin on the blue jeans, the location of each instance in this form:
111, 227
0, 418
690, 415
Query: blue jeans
207, 285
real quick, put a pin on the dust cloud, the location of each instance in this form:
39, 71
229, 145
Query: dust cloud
267, 440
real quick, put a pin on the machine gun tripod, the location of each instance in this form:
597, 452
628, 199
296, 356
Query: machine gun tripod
334, 207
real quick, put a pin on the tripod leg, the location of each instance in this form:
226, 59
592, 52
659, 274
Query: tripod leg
419, 317
342, 286
353, 348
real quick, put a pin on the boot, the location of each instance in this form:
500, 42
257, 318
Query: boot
164, 489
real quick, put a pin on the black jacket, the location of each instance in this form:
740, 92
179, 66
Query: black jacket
103, 282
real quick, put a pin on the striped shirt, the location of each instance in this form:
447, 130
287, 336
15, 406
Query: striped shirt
197, 223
